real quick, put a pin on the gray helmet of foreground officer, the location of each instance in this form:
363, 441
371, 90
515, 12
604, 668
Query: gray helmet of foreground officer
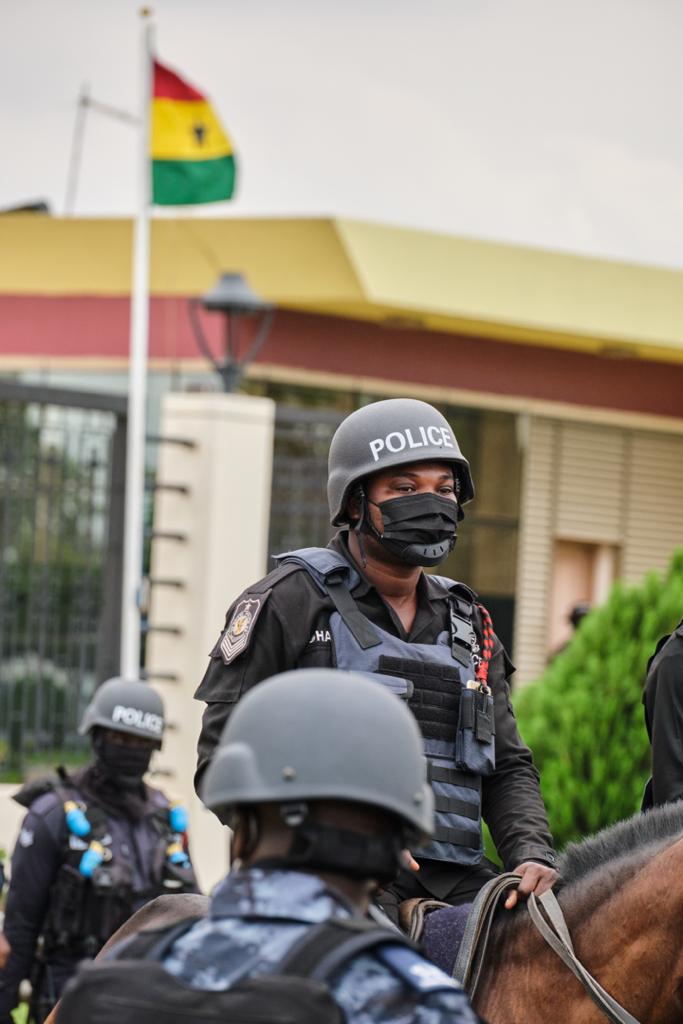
420, 529
325, 735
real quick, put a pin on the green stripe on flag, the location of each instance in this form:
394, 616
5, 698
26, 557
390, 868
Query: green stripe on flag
185, 182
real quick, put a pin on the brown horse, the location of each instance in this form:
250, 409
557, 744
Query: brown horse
622, 897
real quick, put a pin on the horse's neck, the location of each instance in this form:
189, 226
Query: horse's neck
625, 930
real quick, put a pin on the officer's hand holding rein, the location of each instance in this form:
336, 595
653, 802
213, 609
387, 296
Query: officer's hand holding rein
535, 877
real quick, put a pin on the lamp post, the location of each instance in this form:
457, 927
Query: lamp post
235, 299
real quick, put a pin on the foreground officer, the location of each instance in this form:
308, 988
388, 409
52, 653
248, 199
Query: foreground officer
663, 700
94, 846
397, 483
322, 803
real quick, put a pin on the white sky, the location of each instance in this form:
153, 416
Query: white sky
557, 123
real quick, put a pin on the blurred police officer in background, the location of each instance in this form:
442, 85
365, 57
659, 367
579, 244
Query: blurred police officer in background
322, 776
397, 485
663, 700
95, 845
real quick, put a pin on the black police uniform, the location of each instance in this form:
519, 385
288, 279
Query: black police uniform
73, 915
663, 700
287, 625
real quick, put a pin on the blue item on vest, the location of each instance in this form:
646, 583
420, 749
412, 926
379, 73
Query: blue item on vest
178, 818
437, 681
91, 859
76, 821
180, 858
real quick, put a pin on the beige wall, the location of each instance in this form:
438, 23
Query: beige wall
223, 519
611, 496
11, 815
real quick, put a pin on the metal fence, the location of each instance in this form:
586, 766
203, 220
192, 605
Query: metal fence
62, 469
299, 516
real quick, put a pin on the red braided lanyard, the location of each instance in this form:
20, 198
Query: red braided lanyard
482, 671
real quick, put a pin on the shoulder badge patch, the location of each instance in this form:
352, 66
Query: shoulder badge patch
237, 633
26, 837
419, 973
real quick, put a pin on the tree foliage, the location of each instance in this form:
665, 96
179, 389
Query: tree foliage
583, 718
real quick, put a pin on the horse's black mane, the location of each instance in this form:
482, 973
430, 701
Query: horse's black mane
654, 828
602, 863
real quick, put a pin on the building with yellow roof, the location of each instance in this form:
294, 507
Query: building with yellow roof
562, 375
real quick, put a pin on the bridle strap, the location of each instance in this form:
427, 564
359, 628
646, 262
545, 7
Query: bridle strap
547, 916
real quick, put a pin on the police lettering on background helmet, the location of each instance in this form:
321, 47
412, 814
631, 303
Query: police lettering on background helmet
128, 707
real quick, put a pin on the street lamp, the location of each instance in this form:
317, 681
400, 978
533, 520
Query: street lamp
234, 298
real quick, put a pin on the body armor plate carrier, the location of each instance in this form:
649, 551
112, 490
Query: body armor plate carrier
85, 908
437, 681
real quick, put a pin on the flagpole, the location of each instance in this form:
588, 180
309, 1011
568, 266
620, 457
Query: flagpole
137, 383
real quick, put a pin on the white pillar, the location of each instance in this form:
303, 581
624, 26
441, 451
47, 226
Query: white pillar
223, 519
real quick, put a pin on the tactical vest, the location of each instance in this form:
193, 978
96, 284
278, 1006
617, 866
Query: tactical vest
85, 909
437, 681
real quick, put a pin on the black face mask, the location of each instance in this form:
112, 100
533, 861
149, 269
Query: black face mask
420, 529
122, 764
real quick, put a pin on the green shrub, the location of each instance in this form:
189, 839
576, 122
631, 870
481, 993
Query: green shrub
583, 718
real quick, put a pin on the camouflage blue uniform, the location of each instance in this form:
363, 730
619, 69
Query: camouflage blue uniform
255, 918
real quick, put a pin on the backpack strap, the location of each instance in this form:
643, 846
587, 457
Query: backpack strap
327, 946
153, 944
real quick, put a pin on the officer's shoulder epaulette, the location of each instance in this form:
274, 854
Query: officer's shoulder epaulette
455, 588
465, 592
275, 576
31, 791
157, 798
414, 970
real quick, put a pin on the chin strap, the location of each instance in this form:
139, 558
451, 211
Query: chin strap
327, 848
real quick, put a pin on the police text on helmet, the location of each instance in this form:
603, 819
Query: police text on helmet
400, 440
139, 718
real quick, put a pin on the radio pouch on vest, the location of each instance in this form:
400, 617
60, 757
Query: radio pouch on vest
474, 749
133, 986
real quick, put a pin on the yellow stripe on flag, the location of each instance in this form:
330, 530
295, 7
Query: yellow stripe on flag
187, 130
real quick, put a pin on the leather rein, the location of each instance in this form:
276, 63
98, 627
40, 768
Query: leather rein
548, 919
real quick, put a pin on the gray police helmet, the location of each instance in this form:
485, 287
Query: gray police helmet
322, 734
390, 433
126, 706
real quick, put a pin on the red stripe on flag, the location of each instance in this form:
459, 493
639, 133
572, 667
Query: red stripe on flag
168, 85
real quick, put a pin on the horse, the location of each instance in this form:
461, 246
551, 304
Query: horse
622, 897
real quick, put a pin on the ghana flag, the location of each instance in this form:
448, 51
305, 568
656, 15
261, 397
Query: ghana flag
192, 157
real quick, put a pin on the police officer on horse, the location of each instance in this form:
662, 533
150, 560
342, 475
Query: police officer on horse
95, 845
397, 487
